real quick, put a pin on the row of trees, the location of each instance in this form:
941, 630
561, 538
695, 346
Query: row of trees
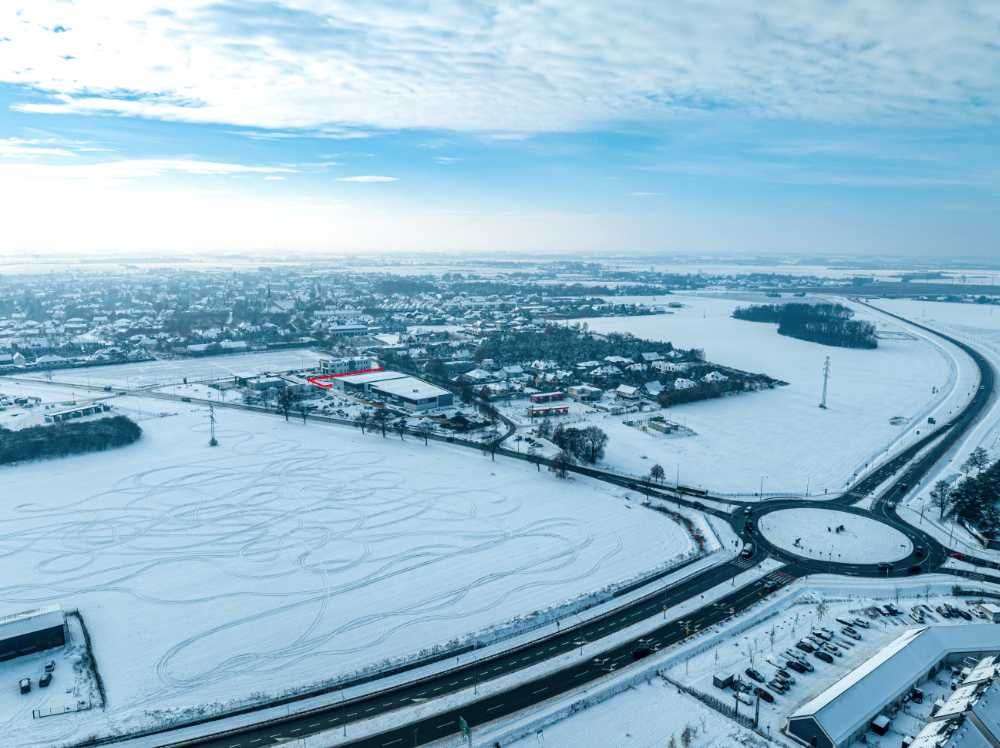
585, 444
59, 440
567, 345
974, 500
829, 324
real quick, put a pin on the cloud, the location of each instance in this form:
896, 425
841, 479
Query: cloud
137, 168
31, 148
368, 179
343, 70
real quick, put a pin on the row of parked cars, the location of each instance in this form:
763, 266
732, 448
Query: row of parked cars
24, 685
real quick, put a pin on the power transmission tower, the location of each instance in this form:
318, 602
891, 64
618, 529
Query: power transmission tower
213, 442
826, 382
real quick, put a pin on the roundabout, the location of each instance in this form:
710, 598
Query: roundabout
822, 534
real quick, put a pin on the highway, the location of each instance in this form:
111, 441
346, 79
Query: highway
903, 471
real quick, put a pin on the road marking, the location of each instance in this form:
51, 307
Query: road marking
491, 708
445, 724
392, 742
314, 724
543, 688
580, 674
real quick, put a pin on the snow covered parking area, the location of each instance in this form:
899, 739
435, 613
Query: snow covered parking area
830, 535
293, 554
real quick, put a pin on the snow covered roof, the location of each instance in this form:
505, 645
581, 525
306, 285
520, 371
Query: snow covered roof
371, 377
987, 711
410, 388
850, 703
30, 621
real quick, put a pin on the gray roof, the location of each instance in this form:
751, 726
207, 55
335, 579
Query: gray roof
850, 703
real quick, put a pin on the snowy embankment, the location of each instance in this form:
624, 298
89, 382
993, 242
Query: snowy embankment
979, 326
291, 554
878, 401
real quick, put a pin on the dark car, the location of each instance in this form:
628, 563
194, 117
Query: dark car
823, 656
914, 569
804, 646
797, 666
764, 694
24, 685
754, 674
44, 681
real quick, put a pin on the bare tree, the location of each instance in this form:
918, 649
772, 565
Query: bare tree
560, 463
400, 427
656, 473
941, 496
424, 430
362, 421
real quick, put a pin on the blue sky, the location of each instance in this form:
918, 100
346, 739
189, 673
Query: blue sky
545, 126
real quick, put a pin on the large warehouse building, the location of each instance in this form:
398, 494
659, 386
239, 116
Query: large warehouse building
32, 631
396, 388
845, 711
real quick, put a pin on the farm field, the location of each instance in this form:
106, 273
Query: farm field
293, 554
780, 439
173, 371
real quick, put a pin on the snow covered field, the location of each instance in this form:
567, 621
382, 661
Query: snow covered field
813, 533
293, 554
780, 437
645, 716
978, 325
173, 371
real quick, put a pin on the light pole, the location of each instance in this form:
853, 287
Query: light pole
762, 486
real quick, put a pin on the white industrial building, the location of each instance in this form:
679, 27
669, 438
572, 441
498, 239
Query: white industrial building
413, 394
844, 712
32, 631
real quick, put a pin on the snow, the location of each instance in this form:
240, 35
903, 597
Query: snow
978, 325
781, 435
200, 368
291, 554
812, 533
637, 718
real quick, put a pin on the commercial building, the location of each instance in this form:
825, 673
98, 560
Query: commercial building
32, 631
362, 383
970, 717
412, 393
346, 365
845, 711
77, 411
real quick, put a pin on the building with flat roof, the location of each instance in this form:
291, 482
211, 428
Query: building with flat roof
362, 383
31, 631
843, 712
412, 393
77, 411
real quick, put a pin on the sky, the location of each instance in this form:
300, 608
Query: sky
801, 127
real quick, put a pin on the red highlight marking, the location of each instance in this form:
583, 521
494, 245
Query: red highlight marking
320, 381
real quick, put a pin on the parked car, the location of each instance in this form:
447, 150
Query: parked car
44, 681
825, 656
776, 686
24, 685
754, 674
851, 633
862, 623
764, 694
804, 646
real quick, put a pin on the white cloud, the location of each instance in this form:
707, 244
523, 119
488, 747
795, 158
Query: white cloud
337, 67
31, 149
368, 179
138, 168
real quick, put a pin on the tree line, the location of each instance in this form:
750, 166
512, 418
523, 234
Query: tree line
567, 345
974, 499
61, 439
829, 324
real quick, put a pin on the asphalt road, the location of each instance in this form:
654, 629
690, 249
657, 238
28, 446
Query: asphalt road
594, 665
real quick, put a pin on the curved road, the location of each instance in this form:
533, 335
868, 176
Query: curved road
898, 474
